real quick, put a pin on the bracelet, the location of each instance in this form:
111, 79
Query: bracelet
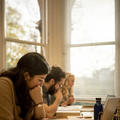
33, 87
37, 104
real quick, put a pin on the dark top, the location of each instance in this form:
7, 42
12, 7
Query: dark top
47, 98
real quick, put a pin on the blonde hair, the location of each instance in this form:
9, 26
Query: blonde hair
65, 87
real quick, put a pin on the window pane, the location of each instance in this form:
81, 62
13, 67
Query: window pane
94, 70
92, 21
16, 50
21, 18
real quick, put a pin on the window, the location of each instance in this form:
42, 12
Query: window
92, 47
23, 29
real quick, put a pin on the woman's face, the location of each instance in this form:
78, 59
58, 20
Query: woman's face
36, 80
71, 81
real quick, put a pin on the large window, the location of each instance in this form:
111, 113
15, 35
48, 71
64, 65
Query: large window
23, 29
92, 47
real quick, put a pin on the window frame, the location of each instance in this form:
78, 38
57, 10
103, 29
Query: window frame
116, 43
3, 39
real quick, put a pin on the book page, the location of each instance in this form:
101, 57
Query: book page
70, 108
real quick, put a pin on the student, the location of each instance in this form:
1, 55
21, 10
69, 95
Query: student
67, 90
20, 89
52, 87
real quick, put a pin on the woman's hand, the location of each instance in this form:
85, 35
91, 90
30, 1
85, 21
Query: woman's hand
36, 94
64, 104
71, 99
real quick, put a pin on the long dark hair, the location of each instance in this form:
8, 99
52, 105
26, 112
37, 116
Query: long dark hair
33, 63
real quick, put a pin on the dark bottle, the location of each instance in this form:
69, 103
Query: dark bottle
98, 108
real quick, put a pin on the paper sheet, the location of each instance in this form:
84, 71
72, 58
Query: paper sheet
70, 108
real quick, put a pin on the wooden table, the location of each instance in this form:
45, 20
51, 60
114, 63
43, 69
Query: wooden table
65, 114
78, 118
72, 118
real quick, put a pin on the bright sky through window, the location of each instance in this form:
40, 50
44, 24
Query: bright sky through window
93, 22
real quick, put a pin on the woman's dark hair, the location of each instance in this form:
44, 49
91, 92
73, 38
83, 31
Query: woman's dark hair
55, 73
33, 63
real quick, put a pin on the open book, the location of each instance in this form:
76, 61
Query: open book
70, 108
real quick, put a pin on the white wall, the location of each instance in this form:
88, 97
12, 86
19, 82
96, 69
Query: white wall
56, 33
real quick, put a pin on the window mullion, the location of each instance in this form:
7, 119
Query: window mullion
93, 44
24, 42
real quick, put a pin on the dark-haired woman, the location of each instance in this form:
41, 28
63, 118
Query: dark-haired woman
20, 89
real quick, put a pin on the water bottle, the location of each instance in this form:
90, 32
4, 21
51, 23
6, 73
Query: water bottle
97, 109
